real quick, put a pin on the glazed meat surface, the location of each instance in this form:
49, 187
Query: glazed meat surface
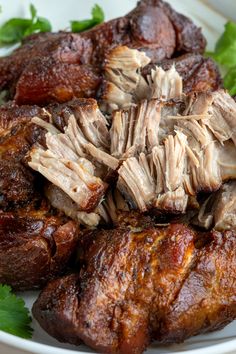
127, 281
31, 232
206, 301
19, 185
60, 66
34, 247
198, 73
137, 286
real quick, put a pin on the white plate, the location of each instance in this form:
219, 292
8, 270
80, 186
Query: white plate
60, 12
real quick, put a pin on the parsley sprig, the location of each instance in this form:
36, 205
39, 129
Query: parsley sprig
14, 316
97, 17
225, 55
15, 29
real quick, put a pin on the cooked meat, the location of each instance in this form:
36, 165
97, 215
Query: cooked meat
64, 164
188, 152
219, 210
83, 118
206, 300
127, 283
156, 181
112, 207
225, 209
136, 286
203, 168
61, 201
165, 152
172, 172
17, 184
59, 66
34, 247
198, 73
222, 122
75, 177
31, 233
135, 130
125, 84
17, 135
128, 79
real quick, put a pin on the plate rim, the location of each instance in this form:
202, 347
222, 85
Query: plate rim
33, 346
37, 348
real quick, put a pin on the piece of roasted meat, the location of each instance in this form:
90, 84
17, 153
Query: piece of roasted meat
219, 209
60, 66
129, 77
163, 150
35, 246
137, 285
36, 241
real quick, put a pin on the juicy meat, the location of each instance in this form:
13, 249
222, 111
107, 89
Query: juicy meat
62, 202
128, 78
206, 301
17, 135
219, 210
198, 73
156, 180
169, 158
75, 178
35, 242
135, 286
225, 209
60, 66
136, 129
128, 279
65, 162
34, 247
165, 150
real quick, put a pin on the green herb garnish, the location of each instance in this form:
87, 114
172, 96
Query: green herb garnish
97, 17
14, 316
225, 55
15, 29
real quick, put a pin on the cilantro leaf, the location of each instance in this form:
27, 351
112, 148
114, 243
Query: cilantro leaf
15, 29
225, 55
14, 316
225, 50
97, 17
33, 12
98, 14
230, 81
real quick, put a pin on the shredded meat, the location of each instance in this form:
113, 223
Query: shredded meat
64, 163
126, 84
179, 165
165, 152
218, 211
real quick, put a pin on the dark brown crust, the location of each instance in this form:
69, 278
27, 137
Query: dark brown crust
36, 243
34, 249
59, 66
137, 286
206, 301
127, 281
19, 184
198, 73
